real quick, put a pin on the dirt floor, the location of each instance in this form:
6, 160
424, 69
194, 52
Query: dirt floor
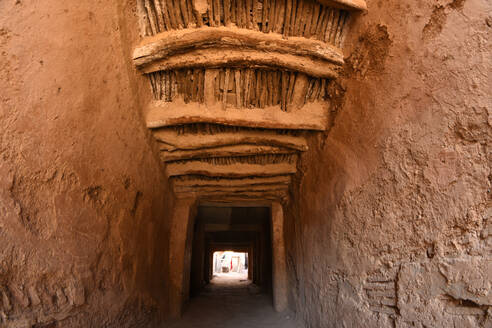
232, 301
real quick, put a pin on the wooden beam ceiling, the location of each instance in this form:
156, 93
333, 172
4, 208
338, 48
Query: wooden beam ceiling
237, 90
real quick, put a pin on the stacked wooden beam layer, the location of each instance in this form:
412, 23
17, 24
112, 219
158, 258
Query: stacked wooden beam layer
306, 18
230, 162
237, 88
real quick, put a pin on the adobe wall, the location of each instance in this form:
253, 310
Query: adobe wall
82, 197
394, 221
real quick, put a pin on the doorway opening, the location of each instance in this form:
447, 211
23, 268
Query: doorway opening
205, 240
230, 264
231, 246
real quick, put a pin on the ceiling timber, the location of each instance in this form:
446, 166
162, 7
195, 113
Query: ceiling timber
176, 42
237, 87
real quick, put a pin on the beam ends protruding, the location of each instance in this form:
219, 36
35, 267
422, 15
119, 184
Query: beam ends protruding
359, 5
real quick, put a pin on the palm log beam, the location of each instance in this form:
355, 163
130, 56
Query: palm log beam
223, 151
251, 181
228, 197
177, 42
345, 4
174, 141
232, 57
232, 170
311, 116
209, 190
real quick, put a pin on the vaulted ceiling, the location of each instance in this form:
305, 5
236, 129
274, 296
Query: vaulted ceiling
237, 86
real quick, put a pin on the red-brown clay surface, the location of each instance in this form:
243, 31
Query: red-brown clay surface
391, 223
389, 219
82, 194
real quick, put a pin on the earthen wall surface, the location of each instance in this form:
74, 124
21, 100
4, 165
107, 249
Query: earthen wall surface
82, 196
393, 220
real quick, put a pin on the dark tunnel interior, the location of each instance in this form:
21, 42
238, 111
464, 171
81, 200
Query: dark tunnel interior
238, 229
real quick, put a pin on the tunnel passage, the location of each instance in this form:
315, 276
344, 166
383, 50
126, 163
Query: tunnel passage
239, 229
389, 218
200, 229
237, 90
200, 299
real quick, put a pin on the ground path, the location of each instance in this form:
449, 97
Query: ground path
232, 302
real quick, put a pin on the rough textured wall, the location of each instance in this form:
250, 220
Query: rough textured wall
393, 223
82, 198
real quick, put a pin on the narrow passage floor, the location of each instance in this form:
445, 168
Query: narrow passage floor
229, 301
